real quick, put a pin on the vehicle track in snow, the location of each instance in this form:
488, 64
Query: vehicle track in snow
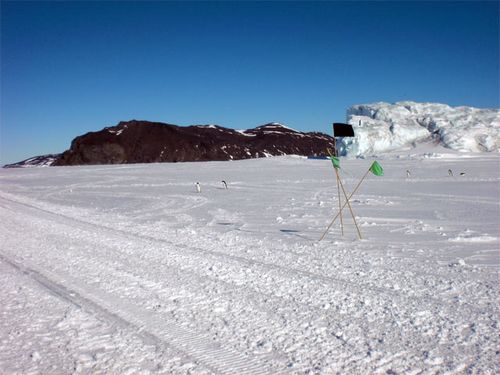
283, 273
190, 345
259, 301
288, 273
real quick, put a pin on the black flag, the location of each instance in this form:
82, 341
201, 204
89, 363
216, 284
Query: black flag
342, 130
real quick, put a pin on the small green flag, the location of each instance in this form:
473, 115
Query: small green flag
335, 162
377, 169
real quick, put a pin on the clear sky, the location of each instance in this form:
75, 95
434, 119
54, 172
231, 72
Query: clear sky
72, 67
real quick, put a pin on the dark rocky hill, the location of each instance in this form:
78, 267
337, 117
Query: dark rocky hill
150, 142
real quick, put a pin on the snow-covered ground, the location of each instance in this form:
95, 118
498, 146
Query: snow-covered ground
382, 127
128, 270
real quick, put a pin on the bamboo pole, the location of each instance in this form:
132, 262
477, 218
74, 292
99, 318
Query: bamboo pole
345, 204
348, 204
338, 179
338, 191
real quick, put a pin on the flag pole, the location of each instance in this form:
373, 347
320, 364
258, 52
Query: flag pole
349, 204
340, 210
345, 204
338, 186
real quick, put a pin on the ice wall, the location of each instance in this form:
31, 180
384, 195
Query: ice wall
383, 127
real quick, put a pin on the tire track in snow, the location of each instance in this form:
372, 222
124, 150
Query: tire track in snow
403, 314
214, 253
181, 276
286, 272
230, 291
190, 345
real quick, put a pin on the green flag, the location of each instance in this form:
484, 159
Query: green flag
335, 162
377, 169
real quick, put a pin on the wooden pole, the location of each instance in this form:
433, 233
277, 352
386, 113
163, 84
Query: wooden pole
349, 204
338, 187
345, 204
340, 209
338, 181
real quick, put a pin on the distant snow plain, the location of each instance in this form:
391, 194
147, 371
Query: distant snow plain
126, 269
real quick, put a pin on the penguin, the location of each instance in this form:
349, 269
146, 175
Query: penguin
450, 173
462, 173
408, 174
224, 183
198, 187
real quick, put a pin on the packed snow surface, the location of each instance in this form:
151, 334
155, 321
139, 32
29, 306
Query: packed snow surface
382, 127
128, 270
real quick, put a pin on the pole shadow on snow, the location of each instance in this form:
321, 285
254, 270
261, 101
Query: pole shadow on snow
234, 226
293, 232
290, 232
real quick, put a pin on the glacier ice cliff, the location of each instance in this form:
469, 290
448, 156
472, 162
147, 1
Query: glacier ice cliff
384, 127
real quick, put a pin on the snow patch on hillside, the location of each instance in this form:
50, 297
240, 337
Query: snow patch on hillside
384, 127
275, 127
37, 161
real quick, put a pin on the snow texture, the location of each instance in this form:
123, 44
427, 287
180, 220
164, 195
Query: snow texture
383, 127
126, 269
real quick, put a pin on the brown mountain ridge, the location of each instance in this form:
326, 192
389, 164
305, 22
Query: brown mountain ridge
151, 142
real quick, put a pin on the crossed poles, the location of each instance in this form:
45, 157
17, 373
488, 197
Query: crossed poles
340, 186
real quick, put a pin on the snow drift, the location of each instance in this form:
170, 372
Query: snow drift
384, 127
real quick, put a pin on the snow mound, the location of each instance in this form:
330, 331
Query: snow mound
384, 127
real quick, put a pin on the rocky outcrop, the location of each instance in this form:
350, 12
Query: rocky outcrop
150, 142
37, 161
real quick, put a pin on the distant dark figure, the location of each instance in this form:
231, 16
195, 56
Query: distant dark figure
450, 173
224, 183
198, 187
462, 173
408, 174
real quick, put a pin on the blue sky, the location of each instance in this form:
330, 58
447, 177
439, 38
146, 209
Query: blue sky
72, 67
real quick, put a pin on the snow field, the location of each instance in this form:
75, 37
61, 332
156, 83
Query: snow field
116, 269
